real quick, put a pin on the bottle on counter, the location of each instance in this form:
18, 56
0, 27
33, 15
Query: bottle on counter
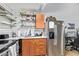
29, 33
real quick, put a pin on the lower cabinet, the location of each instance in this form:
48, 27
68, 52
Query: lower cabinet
34, 47
25, 47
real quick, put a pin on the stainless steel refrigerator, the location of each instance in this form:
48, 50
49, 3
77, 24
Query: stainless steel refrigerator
55, 34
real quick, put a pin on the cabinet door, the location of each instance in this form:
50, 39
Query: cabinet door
39, 20
38, 47
32, 47
41, 47
25, 47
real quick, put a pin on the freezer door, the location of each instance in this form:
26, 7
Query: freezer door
55, 45
52, 43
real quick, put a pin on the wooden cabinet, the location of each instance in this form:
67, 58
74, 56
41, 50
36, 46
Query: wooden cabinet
39, 20
41, 47
34, 47
25, 47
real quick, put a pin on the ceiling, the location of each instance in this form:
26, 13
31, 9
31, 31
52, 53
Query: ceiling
23, 6
49, 7
54, 8
60, 10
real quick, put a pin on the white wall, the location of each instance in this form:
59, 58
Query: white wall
4, 29
4, 26
68, 12
65, 17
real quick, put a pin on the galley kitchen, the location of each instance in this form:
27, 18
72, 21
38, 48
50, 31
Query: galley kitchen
39, 29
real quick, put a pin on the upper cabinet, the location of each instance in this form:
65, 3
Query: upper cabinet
40, 20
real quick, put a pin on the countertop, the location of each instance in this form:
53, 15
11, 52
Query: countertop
18, 38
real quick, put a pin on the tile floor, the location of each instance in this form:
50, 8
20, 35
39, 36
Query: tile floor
72, 53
